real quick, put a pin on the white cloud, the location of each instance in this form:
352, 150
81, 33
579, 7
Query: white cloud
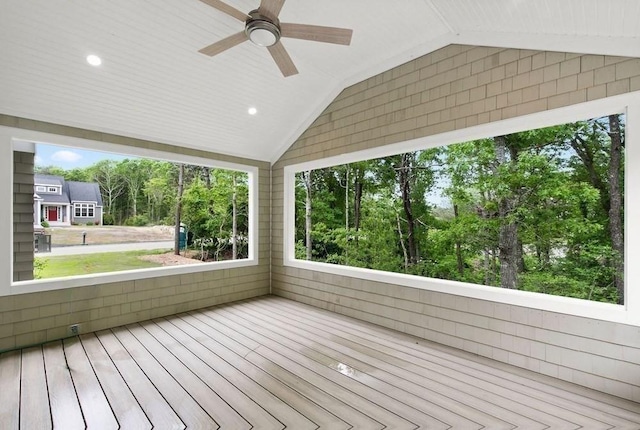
38, 160
66, 156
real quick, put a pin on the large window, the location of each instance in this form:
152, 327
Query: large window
84, 210
496, 216
539, 210
122, 216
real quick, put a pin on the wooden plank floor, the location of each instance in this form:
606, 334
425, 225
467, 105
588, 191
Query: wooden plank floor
271, 363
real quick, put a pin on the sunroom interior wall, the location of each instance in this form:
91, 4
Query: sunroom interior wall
27, 319
451, 89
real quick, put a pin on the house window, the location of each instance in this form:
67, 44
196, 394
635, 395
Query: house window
53, 190
40, 188
84, 210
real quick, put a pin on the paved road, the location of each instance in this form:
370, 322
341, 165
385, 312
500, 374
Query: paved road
115, 247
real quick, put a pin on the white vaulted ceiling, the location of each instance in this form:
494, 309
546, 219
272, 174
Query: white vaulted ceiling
153, 83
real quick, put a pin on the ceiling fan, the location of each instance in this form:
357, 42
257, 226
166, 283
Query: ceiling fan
263, 28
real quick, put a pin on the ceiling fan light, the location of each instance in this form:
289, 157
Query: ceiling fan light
263, 36
261, 30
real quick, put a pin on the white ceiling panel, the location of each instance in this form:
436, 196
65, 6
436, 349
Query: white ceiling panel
153, 83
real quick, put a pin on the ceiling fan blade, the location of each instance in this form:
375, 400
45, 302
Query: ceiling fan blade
229, 10
271, 8
224, 44
340, 36
282, 59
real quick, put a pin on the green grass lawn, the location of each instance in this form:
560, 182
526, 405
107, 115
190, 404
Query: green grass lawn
71, 265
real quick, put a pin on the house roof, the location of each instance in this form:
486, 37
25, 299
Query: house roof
153, 83
72, 191
84, 192
40, 179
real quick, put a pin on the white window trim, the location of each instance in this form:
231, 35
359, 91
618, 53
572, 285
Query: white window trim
90, 206
15, 139
629, 313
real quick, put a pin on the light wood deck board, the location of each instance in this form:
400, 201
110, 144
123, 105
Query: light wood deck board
65, 407
436, 377
89, 391
10, 393
271, 363
155, 406
328, 380
508, 380
441, 400
384, 394
124, 404
190, 412
209, 366
35, 412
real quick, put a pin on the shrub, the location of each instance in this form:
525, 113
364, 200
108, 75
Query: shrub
38, 266
44, 224
90, 223
108, 219
137, 221
168, 220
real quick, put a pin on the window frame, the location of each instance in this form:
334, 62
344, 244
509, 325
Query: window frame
16, 139
628, 313
90, 207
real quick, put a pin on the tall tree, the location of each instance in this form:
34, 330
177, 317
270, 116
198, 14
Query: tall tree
176, 246
508, 243
136, 173
111, 183
405, 178
306, 179
615, 204
234, 217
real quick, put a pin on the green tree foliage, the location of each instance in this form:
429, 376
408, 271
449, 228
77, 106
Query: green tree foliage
534, 211
140, 192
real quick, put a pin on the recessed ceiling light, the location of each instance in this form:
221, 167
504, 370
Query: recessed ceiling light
94, 60
252, 111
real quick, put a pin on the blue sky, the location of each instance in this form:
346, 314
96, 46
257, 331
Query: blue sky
71, 158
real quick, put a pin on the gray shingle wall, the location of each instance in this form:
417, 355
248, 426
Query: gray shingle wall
22, 216
27, 319
454, 88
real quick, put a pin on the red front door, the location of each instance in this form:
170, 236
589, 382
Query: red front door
53, 213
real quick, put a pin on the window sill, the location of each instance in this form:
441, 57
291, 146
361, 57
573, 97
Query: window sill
40, 285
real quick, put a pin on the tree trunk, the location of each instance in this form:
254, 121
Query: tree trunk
404, 177
508, 243
234, 220
488, 279
615, 205
402, 245
176, 247
459, 260
357, 202
206, 174
307, 212
585, 153
346, 199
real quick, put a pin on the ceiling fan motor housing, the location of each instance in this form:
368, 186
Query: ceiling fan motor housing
261, 30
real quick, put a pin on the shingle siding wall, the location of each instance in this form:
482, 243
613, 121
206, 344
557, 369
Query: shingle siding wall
33, 318
23, 241
454, 88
